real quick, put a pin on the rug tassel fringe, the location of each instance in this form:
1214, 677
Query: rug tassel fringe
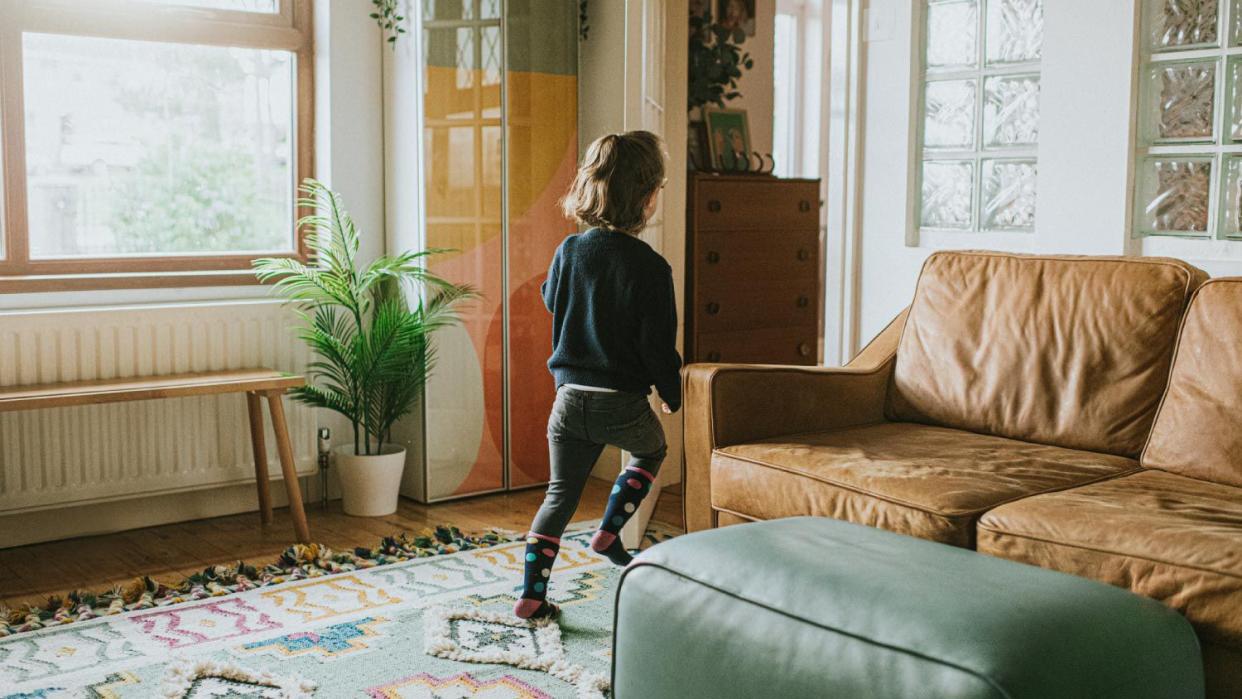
180, 677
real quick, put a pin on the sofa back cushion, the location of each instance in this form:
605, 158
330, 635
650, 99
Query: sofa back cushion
1068, 351
1198, 430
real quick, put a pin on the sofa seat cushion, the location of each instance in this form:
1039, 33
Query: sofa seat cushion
921, 480
1169, 537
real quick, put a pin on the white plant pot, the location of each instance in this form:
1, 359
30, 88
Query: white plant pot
370, 484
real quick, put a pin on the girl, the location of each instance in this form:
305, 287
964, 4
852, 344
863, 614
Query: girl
614, 333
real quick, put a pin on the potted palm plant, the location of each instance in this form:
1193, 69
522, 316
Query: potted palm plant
369, 327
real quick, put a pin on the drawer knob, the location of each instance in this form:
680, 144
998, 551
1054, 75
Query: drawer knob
713, 356
713, 308
804, 349
804, 301
713, 205
804, 254
713, 257
804, 206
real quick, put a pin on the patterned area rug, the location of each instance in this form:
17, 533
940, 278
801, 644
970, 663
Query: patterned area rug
428, 627
295, 563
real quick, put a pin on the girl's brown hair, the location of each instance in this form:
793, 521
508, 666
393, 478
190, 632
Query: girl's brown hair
618, 175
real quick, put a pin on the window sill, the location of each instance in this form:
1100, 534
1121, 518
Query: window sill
98, 282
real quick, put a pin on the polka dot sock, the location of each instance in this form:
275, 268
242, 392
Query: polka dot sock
631, 487
540, 555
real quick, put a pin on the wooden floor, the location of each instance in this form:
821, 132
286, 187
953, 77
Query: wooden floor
29, 574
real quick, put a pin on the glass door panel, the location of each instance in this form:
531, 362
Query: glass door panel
542, 128
465, 438
500, 137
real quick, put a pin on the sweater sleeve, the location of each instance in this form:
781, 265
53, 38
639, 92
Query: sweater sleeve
548, 289
658, 340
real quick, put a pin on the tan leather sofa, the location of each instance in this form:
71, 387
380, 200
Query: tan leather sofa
1051, 410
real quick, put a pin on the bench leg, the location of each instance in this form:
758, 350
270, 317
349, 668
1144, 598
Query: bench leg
277, 407
255, 408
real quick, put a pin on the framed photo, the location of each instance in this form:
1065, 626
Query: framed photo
736, 14
696, 146
728, 138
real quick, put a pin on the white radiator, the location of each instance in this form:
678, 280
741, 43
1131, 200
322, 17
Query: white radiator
90, 454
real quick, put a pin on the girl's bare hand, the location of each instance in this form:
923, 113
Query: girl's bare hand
665, 408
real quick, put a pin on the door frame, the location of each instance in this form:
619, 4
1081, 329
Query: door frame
655, 95
842, 112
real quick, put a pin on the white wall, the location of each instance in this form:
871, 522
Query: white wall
403, 205
612, 72
601, 74
1085, 152
601, 110
756, 83
350, 118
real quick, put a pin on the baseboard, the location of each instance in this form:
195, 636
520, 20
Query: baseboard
124, 515
111, 517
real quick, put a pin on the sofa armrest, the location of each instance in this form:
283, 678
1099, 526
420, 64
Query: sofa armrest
729, 404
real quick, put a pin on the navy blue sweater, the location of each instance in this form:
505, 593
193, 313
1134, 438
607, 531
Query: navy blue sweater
614, 314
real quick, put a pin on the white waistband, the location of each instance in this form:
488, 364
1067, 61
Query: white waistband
596, 389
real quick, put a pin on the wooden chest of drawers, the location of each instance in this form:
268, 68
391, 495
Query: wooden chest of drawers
752, 270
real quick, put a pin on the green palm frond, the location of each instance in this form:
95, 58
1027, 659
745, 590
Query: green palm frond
370, 327
322, 398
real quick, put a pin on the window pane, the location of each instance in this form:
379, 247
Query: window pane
1015, 32
1181, 104
1177, 24
1175, 193
239, 5
1231, 193
947, 193
949, 114
1009, 195
1011, 111
139, 148
952, 35
1233, 99
784, 102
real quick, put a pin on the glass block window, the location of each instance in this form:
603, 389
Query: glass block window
1189, 168
979, 114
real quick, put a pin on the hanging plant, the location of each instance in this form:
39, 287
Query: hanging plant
583, 26
716, 60
389, 18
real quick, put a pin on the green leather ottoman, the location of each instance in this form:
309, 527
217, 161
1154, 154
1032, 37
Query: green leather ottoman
812, 607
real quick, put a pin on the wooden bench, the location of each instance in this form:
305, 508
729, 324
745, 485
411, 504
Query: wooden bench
255, 383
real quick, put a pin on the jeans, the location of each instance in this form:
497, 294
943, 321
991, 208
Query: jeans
582, 423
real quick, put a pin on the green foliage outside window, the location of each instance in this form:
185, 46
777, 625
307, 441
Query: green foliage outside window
197, 198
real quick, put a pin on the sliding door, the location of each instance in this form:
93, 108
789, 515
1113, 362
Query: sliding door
500, 133
542, 131
464, 199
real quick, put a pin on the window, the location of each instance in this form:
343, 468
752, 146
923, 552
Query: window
145, 138
1189, 179
979, 115
796, 67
